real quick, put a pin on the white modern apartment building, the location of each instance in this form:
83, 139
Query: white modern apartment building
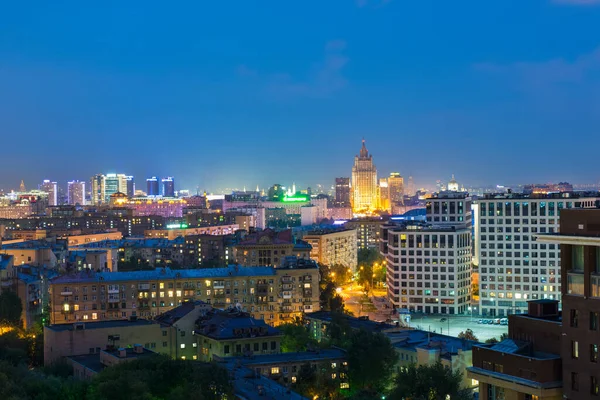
513, 268
429, 265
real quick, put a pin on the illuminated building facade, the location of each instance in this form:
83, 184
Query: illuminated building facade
152, 186
52, 189
513, 267
275, 295
114, 183
396, 187
364, 182
168, 187
342, 192
98, 189
76, 193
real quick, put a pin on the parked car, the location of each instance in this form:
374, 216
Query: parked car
497, 321
480, 321
504, 321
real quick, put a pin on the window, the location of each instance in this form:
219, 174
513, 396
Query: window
574, 318
578, 259
574, 349
183, 345
226, 349
575, 381
164, 333
594, 353
594, 389
164, 344
593, 321
274, 370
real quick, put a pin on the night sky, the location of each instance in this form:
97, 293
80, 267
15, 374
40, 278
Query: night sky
226, 93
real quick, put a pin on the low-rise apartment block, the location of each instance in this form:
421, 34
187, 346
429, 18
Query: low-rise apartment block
275, 295
233, 333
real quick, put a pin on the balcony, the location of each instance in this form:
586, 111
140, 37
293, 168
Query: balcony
66, 293
114, 290
308, 293
286, 279
575, 283
287, 286
287, 295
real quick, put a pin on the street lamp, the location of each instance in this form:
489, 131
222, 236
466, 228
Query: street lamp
471, 312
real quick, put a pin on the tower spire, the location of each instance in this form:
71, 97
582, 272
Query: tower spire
363, 150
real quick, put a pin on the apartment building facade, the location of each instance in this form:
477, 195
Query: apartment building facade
335, 246
275, 295
513, 268
579, 242
429, 264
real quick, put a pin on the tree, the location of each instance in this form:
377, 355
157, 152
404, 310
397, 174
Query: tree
10, 308
371, 361
329, 299
295, 337
339, 331
160, 377
493, 340
468, 335
429, 382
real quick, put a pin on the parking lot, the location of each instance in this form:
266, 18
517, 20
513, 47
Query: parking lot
456, 324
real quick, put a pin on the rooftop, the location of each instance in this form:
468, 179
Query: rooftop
172, 316
353, 322
561, 195
99, 325
304, 356
519, 348
411, 339
231, 324
165, 273
155, 243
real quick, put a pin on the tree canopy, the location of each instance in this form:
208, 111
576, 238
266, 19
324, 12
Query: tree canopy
371, 361
159, 377
468, 335
429, 382
10, 308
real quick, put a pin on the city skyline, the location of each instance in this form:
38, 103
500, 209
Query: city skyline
433, 89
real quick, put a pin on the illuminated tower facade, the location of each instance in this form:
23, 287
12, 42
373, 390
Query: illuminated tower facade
364, 182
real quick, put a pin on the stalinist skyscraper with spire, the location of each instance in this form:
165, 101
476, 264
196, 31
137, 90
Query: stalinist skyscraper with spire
364, 182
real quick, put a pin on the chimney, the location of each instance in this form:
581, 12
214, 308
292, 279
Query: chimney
138, 349
122, 352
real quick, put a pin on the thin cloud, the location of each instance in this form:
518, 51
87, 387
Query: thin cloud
323, 78
549, 72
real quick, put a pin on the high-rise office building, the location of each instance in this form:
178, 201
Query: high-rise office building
152, 186
342, 192
52, 189
513, 267
429, 265
98, 187
396, 188
168, 187
114, 183
76, 193
364, 182
384, 195
130, 186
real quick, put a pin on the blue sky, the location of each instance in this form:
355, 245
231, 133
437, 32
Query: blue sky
227, 93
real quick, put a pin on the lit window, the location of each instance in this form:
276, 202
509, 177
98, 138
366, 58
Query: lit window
344, 385
170, 293
194, 344
85, 316
195, 357
275, 370
183, 357
94, 315
75, 307
161, 285
66, 307
178, 293
183, 345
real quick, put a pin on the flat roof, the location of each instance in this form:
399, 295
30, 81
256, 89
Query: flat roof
100, 325
303, 356
165, 273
